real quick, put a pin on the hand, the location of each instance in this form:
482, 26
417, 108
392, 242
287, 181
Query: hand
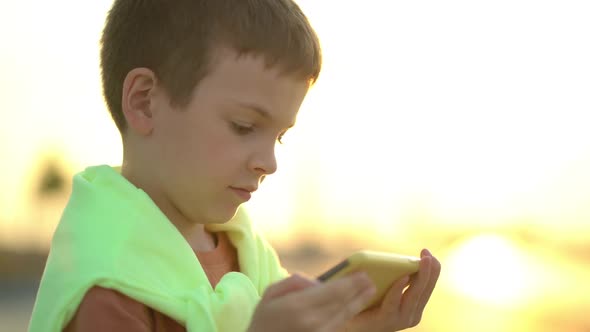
401, 309
301, 304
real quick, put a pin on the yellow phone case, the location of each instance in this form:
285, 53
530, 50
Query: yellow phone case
383, 269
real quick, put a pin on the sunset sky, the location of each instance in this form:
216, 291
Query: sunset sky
476, 113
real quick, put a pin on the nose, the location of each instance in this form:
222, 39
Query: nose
264, 162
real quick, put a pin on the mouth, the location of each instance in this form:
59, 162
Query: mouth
243, 194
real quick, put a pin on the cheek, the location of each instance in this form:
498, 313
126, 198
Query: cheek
220, 150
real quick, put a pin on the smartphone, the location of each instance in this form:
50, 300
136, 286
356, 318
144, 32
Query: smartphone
383, 269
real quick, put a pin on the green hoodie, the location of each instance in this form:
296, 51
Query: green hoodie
112, 235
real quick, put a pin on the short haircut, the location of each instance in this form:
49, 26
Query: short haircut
176, 40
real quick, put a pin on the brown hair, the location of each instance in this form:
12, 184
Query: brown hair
175, 39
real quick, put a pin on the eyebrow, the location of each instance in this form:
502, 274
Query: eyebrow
260, 110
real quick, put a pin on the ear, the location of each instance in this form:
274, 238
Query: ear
138, 89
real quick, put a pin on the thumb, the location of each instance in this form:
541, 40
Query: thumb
294, 283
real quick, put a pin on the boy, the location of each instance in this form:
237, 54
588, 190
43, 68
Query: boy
201, 91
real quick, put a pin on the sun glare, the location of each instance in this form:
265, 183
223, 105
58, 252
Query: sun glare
493, 270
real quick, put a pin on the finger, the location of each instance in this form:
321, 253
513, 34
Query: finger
346, 312
434, 275
294, 283
392, 300
341, 290
341, 299
332, 304
411, 296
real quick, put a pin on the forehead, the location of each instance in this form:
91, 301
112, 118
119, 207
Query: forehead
247, 79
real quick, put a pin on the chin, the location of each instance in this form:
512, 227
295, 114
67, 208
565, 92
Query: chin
222, 215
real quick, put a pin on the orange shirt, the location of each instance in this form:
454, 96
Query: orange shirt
105, 309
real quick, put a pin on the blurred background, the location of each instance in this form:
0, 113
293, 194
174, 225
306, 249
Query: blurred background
459, 126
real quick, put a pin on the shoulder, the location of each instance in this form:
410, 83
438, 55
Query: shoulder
104, 309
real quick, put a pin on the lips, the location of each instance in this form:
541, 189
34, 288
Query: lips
244, 194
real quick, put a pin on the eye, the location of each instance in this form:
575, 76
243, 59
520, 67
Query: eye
241, 129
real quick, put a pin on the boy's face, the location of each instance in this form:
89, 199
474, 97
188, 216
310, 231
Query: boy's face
209, 155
